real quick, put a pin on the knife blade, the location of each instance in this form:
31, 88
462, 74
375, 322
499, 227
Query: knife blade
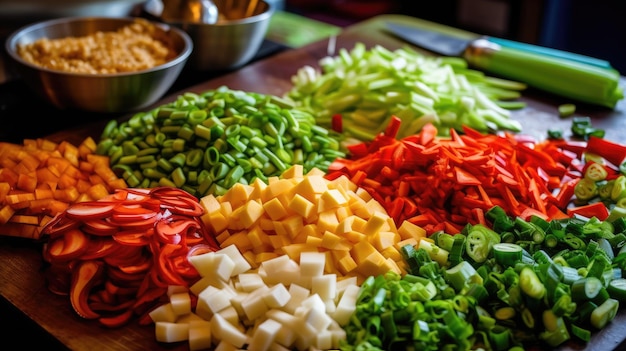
573, 76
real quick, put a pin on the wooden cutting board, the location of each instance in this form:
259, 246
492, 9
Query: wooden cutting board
22, 281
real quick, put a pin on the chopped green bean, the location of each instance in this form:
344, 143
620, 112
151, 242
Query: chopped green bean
247, 132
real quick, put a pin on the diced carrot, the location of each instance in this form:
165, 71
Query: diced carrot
9, 176
66, 181
43, 193
83, 185
46, 175
20, 230
26, 182
59, 164
25, 219
117, 183
40, 178
6, 212
86, 166
4, 190
67, 195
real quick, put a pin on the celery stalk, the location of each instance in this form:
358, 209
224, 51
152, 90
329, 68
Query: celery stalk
404, 82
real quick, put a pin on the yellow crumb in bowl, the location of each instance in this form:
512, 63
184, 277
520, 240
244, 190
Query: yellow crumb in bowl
134, 47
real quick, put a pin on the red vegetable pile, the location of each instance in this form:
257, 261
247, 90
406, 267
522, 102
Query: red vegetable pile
443, 183
116, 257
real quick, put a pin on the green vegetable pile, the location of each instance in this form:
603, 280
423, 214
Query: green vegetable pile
523, 283
204, 143
368, 86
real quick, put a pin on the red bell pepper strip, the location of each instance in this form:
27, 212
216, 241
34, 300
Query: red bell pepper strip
596, 209
337, 123
610, 151
139, 237
442, 179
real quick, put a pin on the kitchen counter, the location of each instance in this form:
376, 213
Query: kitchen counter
22, 282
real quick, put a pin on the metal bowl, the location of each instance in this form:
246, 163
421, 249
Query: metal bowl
233, 40
104, 93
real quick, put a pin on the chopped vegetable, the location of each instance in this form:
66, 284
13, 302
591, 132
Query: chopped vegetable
300, 212
367, 86
204, 143
574, 286
274, 306
40, 179
566, 110
442, 183
582, 128
116, 256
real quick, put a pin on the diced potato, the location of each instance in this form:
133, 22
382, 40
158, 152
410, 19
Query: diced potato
227, 332
312, 263
264, 335
199, 335
171, 332
163, 313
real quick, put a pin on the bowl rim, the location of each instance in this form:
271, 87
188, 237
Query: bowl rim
225, 23
11, 45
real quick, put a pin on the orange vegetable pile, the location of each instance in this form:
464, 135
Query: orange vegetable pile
443, 183
40, 179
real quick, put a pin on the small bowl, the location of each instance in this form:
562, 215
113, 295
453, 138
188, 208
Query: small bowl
233, 40
103, 93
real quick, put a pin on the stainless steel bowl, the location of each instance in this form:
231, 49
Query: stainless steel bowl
105, 93
233, 40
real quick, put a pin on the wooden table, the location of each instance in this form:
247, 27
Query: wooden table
21, 278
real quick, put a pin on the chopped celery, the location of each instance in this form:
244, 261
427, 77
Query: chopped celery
404, 83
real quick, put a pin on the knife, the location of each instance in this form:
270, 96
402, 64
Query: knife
573, 76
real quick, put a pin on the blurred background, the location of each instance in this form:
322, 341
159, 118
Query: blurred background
591, 27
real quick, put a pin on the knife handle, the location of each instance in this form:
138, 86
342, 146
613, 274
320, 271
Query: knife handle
542, 50
570, 79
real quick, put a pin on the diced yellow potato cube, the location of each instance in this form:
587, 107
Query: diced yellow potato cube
384, 239
294, 251
361, 250
333, 198
375, 222
275, 209
327, 221
293, 225
295, 171
239, 239
409, 230
311, 186
259, 239
301, 205
313, 241
252, 211
238, 194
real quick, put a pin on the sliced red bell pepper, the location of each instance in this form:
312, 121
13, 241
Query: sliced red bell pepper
596, 209
613, 152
